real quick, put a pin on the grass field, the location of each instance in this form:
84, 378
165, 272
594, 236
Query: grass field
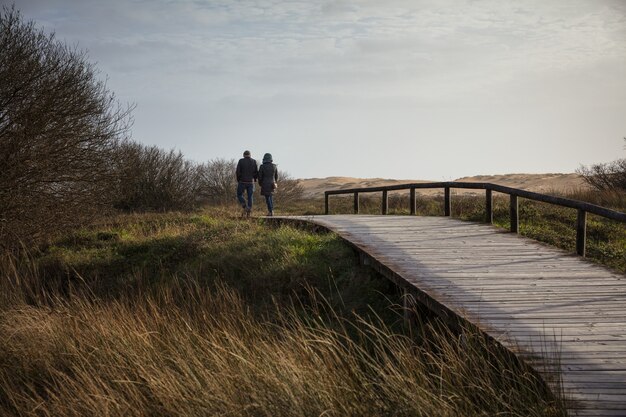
207, 314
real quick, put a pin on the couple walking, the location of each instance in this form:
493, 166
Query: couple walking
248, 172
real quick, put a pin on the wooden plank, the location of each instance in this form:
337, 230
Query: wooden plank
562, 332
548, 321
566, 308
577, 361
598, 327
515, 283
480, 297
506, 296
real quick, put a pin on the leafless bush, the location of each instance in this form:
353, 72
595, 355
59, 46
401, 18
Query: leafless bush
58, 129
218, 180
289, 189
219, 184
153, 179
609, 176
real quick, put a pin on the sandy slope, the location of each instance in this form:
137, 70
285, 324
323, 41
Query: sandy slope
543, 183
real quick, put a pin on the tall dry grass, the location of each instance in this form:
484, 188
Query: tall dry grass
185, 350
175, 343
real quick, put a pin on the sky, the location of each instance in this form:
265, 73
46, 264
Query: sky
404, 89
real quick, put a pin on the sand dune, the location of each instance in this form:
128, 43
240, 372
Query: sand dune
543, 183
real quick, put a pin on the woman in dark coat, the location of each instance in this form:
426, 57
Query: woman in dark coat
268, 176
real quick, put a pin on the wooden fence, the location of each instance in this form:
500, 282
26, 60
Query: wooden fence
514, 193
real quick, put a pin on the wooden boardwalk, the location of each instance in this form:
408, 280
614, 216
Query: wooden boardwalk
539, 301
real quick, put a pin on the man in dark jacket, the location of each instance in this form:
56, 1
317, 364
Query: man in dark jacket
247, 173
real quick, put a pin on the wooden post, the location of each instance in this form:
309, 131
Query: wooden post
514, 214
326, 208
356, 203
581, 232
447, 205
385, 203
412, 202
488, 206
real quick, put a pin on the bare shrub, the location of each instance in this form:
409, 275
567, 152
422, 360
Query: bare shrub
218, 180
219, 183
610, 176
289, 189
606, 176
58, 128
153, 179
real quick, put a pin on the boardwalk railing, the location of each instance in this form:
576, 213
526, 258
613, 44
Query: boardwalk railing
514, 193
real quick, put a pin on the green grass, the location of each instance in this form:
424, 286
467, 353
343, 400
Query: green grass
207, 314
260, 262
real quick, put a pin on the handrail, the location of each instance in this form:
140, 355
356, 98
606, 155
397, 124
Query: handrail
582, 207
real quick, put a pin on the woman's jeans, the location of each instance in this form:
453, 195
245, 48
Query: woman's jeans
249, 188
270, 203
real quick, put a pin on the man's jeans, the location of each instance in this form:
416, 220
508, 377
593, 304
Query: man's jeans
249, 188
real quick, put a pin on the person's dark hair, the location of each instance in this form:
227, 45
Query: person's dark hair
246, 153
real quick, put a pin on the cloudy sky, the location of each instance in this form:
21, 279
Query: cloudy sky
407, 89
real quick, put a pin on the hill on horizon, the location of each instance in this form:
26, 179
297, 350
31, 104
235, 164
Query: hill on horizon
552, 183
